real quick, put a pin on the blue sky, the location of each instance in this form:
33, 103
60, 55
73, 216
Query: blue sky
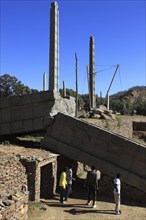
119, 32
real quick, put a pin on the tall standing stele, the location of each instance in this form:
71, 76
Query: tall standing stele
44, 81
92, 73
54, 48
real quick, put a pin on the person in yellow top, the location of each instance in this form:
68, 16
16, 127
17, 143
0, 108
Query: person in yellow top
63, 185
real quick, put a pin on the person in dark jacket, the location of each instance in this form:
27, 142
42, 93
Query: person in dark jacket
92, 184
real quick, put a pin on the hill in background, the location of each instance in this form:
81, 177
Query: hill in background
134, 99
132, 94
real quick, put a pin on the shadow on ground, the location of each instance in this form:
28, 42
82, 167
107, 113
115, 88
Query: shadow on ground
80, 193
79, 211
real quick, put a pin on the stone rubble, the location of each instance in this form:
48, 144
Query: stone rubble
14, 206
99, 113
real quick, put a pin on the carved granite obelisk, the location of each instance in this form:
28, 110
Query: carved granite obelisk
59, 104
44, 81
92, 74
54, 48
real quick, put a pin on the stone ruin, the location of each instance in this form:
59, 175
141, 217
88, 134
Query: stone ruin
14, 206
23, 178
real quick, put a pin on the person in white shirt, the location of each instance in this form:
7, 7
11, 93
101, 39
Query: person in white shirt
69, 182
117, 193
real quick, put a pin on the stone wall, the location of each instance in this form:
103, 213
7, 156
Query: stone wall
139, 126
14, 207
32, 112
12, 175
39, 174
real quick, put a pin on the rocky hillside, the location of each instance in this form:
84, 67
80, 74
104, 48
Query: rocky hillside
128, 102
131, 94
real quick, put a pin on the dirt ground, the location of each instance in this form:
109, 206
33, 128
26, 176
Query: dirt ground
76, 209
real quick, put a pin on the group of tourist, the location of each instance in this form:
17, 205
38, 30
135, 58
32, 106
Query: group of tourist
65, 184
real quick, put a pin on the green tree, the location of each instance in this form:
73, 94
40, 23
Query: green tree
81, 102
140, 104
85, 98
117, 105
10, 86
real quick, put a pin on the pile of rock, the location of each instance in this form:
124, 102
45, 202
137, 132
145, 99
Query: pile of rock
103, 113
14, 206
100, 113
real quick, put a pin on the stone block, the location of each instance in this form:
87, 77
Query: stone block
47, 106
38, 124
15, 101
24, 210
24, 112
21, 197
37, 110
27, 125
16, 114
27, 112
4, 128
46, 95
26, 99
35, 97
17, 198
46, 122
49, 95
8, 202
4, 115
19, 205
25, 199
12, 208
4, 102
139, 126
16, 126
17, 215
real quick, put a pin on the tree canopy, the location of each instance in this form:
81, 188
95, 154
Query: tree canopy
10, 86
